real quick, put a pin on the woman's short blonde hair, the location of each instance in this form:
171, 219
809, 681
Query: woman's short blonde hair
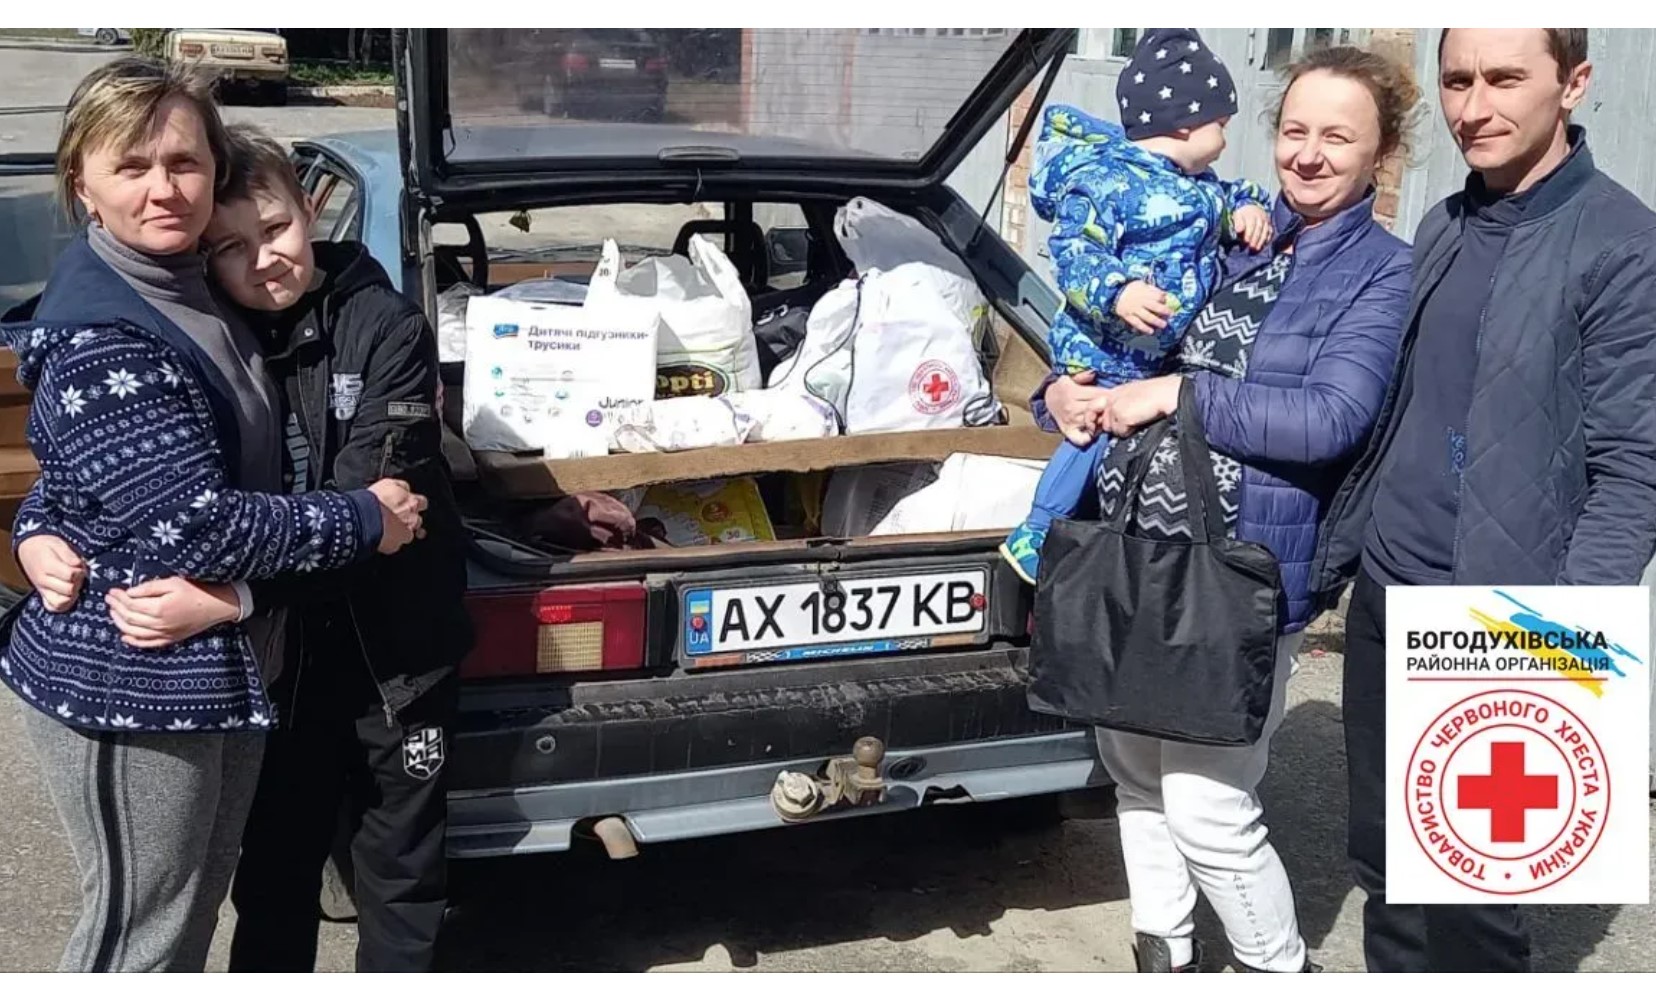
117, 104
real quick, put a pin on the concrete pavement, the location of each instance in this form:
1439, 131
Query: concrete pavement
950, 889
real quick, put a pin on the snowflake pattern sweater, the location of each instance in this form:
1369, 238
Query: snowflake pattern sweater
133, 430
1121, 214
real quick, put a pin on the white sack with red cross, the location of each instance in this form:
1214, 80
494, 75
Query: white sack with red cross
895, 350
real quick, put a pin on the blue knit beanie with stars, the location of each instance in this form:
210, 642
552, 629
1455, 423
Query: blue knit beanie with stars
1174, 81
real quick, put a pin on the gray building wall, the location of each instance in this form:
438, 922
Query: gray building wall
1088, 80
882, 91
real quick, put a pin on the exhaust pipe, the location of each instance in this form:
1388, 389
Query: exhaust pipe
617, 838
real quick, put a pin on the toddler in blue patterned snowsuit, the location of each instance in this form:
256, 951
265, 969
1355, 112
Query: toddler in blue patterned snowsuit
1137, 218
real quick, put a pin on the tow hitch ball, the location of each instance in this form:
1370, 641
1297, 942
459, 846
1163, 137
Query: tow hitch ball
846, 781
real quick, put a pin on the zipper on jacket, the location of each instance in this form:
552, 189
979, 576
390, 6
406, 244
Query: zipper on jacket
1460, 475
317, 455
362, 646
1247, 373
1375, 450
320, 458
385, 458
350, 604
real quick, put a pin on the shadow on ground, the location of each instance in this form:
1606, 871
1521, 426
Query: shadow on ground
898, 877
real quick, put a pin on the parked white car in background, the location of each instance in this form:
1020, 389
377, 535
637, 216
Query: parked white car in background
107, 36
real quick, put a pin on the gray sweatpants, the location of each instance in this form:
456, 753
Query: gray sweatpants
155, 821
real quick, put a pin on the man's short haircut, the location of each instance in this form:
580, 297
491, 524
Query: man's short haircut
1567, 46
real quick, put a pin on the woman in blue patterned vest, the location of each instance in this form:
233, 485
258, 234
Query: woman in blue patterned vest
159, 450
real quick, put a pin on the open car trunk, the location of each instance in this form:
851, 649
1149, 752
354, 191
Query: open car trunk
507, 186
525, 149
522, 498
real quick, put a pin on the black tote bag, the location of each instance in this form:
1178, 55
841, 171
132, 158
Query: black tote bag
1167, 638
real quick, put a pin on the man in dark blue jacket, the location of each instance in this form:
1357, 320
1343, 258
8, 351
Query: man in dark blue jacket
1518, 445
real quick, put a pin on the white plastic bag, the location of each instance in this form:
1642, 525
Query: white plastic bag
550, 290
877, 237
969, 492
781, 415
451, 320
704, 336
895, 351
683, 424
822, 364
913, 362
689, 423
979, 492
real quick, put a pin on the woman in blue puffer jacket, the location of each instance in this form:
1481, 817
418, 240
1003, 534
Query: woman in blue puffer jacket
1291, 358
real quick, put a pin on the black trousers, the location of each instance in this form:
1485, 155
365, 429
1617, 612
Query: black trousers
334, 749
1403, 938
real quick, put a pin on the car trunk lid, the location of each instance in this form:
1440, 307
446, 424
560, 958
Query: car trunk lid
858, 111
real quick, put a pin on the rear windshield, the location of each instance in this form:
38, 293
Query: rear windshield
770, 92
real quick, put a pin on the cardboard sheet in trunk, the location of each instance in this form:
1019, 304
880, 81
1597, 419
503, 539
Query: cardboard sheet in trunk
513, 476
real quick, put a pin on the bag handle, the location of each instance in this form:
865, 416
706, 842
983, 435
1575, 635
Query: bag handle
608, 270
1197, 463
1151, 440
719, 270
840, 414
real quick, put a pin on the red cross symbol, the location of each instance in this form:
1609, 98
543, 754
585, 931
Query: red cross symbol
1507, 792
936, 388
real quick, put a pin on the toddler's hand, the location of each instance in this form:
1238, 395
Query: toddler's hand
1252, 226
1144, 307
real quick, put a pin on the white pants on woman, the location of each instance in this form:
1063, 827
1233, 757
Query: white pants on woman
1190, 819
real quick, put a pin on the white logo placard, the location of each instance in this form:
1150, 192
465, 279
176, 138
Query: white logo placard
1517, 745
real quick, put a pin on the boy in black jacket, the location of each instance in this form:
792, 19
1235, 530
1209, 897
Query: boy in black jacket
370, 691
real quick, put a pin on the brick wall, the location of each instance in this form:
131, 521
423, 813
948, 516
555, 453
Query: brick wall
1015, 194
1397, 44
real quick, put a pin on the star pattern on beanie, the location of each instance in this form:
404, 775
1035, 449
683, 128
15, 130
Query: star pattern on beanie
1172, 83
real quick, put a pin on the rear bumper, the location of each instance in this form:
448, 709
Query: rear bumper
697, 755
244, 72
692, 804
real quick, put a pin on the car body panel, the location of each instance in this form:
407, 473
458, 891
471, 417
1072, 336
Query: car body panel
231, 53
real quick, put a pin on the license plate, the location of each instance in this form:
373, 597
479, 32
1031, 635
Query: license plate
233, 51
811, 620
617, 64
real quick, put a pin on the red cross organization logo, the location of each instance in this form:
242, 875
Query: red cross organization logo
934, 387
1507, 792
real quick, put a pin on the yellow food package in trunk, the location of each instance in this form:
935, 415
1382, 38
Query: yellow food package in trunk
719, 511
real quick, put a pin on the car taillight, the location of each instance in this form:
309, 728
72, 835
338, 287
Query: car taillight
557, 631
274, 54
655, 65
574, 62
191, 48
